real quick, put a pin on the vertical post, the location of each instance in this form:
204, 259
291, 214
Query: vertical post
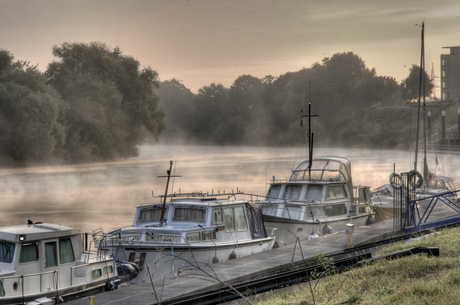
443, 127
458, 127
429, 128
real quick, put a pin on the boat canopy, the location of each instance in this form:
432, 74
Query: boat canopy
324, 169
327, 169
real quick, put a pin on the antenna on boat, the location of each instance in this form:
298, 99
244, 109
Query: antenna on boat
310, 137
166, 191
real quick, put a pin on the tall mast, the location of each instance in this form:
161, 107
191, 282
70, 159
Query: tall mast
420, 92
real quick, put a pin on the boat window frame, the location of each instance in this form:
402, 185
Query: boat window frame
203, 220
55, 252
94, 275
61, 252
334, 208
242, 217
232, 221
193, 240
8, 249
154, 208
221, 216
327, 198
37, 251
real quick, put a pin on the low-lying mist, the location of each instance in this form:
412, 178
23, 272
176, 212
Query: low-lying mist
104, 195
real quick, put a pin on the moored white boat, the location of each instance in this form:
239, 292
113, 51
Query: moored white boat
48, 262
195, 230
316, 201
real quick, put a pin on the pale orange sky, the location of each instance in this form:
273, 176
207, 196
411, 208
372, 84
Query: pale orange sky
200, 42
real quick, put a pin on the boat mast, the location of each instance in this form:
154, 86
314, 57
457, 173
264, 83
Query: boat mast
420, 92
310, 137
166, 192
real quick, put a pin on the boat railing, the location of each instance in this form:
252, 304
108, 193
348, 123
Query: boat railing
14, 286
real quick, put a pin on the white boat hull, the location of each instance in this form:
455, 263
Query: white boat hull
163, 259
287, 231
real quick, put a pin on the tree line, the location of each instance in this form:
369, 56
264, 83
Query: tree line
94, 103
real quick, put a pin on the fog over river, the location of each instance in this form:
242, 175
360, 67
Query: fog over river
104, 195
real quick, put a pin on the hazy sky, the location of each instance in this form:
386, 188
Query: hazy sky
203, 41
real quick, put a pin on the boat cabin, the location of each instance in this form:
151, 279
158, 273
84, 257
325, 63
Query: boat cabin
193, 221
41, 259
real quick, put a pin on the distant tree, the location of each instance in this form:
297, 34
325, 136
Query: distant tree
411, 84
211, 108
29, 111
110, 101
177, 102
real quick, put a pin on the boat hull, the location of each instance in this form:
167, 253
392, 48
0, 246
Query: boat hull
288, 230
163, 259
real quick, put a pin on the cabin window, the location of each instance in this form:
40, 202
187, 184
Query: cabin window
240, 219
189, 214
51, 254
151, 215
292, 212
335, 210
29, 253
335, 192
331, 176
217, 216
208, 235
292, 191
228, 218
2, 290
274, 192
314, 212
314, 193
193, 237
269, 209
66, 254
108, 270
7, 252
96, 273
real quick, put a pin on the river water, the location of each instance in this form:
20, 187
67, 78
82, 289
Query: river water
104, 195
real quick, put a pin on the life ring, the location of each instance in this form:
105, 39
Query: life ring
419, 182
396, 185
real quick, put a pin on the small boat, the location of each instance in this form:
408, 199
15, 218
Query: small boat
187, 232
318, 199
47, 262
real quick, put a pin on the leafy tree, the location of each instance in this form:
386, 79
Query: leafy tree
410, 86
29, 111
110, 101
177, 102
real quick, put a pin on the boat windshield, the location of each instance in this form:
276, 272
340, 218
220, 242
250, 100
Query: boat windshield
7, 252
189, 214
153, 214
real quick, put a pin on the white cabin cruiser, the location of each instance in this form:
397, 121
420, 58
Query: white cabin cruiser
47, 262
196, 230
316, 200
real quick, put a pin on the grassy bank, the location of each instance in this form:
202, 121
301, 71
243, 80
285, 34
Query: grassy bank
416, 279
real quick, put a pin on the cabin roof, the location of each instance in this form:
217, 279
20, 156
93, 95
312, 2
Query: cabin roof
35, 232
196, 203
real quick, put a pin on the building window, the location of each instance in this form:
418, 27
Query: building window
445, 96
445, 62
445, 73
445, 85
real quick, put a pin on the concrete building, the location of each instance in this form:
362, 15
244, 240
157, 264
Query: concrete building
450, 74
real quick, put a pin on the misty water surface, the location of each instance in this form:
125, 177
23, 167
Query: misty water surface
104, 195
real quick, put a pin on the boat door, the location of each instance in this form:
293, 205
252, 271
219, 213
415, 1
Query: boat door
51, 279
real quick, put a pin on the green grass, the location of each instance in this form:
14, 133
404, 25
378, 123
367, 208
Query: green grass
416, 279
